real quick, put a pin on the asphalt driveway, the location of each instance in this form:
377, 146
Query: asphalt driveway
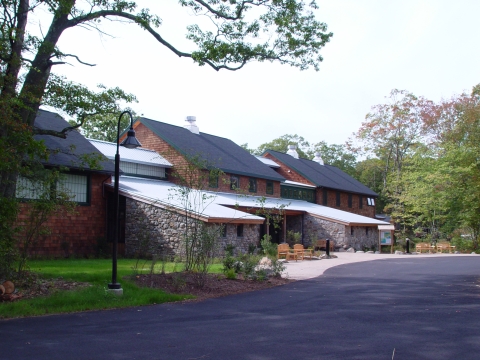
412, 308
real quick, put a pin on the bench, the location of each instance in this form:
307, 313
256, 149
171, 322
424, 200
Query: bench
302, 252
322, 244
441, 246
420, 247
283, 250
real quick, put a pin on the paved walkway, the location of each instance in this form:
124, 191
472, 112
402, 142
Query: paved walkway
308, 269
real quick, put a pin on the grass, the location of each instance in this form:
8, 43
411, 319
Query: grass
97, 272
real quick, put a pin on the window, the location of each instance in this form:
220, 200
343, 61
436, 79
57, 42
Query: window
325, 197
289, 192
366, 231
371, 201
213, 179
360, 201
338, 198
27, 189
349, 200
351, 231
234, 182
269, 189
224, 230
240, 230
76, 186
252, 185
142, 170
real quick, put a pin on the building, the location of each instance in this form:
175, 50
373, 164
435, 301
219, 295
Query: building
85, 172
320, 183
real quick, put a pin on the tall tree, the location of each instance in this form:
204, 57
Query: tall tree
336, 155
234, 39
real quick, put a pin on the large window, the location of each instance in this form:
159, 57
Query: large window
142, 170
289, 192
252, 185
325, 197
76, 186
338, 198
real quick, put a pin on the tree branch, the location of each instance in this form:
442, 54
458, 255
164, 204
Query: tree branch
147, 27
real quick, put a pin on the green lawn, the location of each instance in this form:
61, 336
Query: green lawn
97, 272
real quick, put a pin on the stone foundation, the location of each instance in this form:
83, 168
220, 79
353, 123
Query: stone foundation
153, 231
315, 228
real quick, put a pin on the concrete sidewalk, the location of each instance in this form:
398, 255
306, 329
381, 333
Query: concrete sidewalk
307, 269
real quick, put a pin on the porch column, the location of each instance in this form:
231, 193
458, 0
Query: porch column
284, 228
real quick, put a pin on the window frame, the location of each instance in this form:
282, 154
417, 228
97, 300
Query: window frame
269, 185
252, 185
233, 179
240, 230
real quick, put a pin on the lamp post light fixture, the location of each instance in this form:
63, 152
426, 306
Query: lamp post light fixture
130, 142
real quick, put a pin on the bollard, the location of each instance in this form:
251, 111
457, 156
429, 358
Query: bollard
327, 248
408, 245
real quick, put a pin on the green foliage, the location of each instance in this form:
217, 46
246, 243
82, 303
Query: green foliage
269, 248
94, 297
8, 248
281, 145
51, 199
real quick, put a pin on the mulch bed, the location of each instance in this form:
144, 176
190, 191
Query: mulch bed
183, 283
41, 287
216, 285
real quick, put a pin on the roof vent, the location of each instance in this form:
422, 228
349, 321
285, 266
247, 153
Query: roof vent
292, 151
192, 126
318, 158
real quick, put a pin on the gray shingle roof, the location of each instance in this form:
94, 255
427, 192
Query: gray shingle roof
327, 176
216, 151
74, 152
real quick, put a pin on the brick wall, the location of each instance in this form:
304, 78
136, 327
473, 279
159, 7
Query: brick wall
291, 175
366, 210
288, 173
74, 234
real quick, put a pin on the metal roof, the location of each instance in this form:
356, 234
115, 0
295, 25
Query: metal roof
268, 162
137, 155
294, 183
217, 206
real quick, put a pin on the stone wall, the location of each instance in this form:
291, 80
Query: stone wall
361, 237
315, 229
153, 231
357, 237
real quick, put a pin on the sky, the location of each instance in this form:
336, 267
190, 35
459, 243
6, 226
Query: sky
428, 47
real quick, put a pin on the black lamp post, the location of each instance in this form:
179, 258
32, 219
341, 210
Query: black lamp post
130, 142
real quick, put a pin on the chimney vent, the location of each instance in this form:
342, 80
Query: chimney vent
292, 151
192, 126
318, 158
